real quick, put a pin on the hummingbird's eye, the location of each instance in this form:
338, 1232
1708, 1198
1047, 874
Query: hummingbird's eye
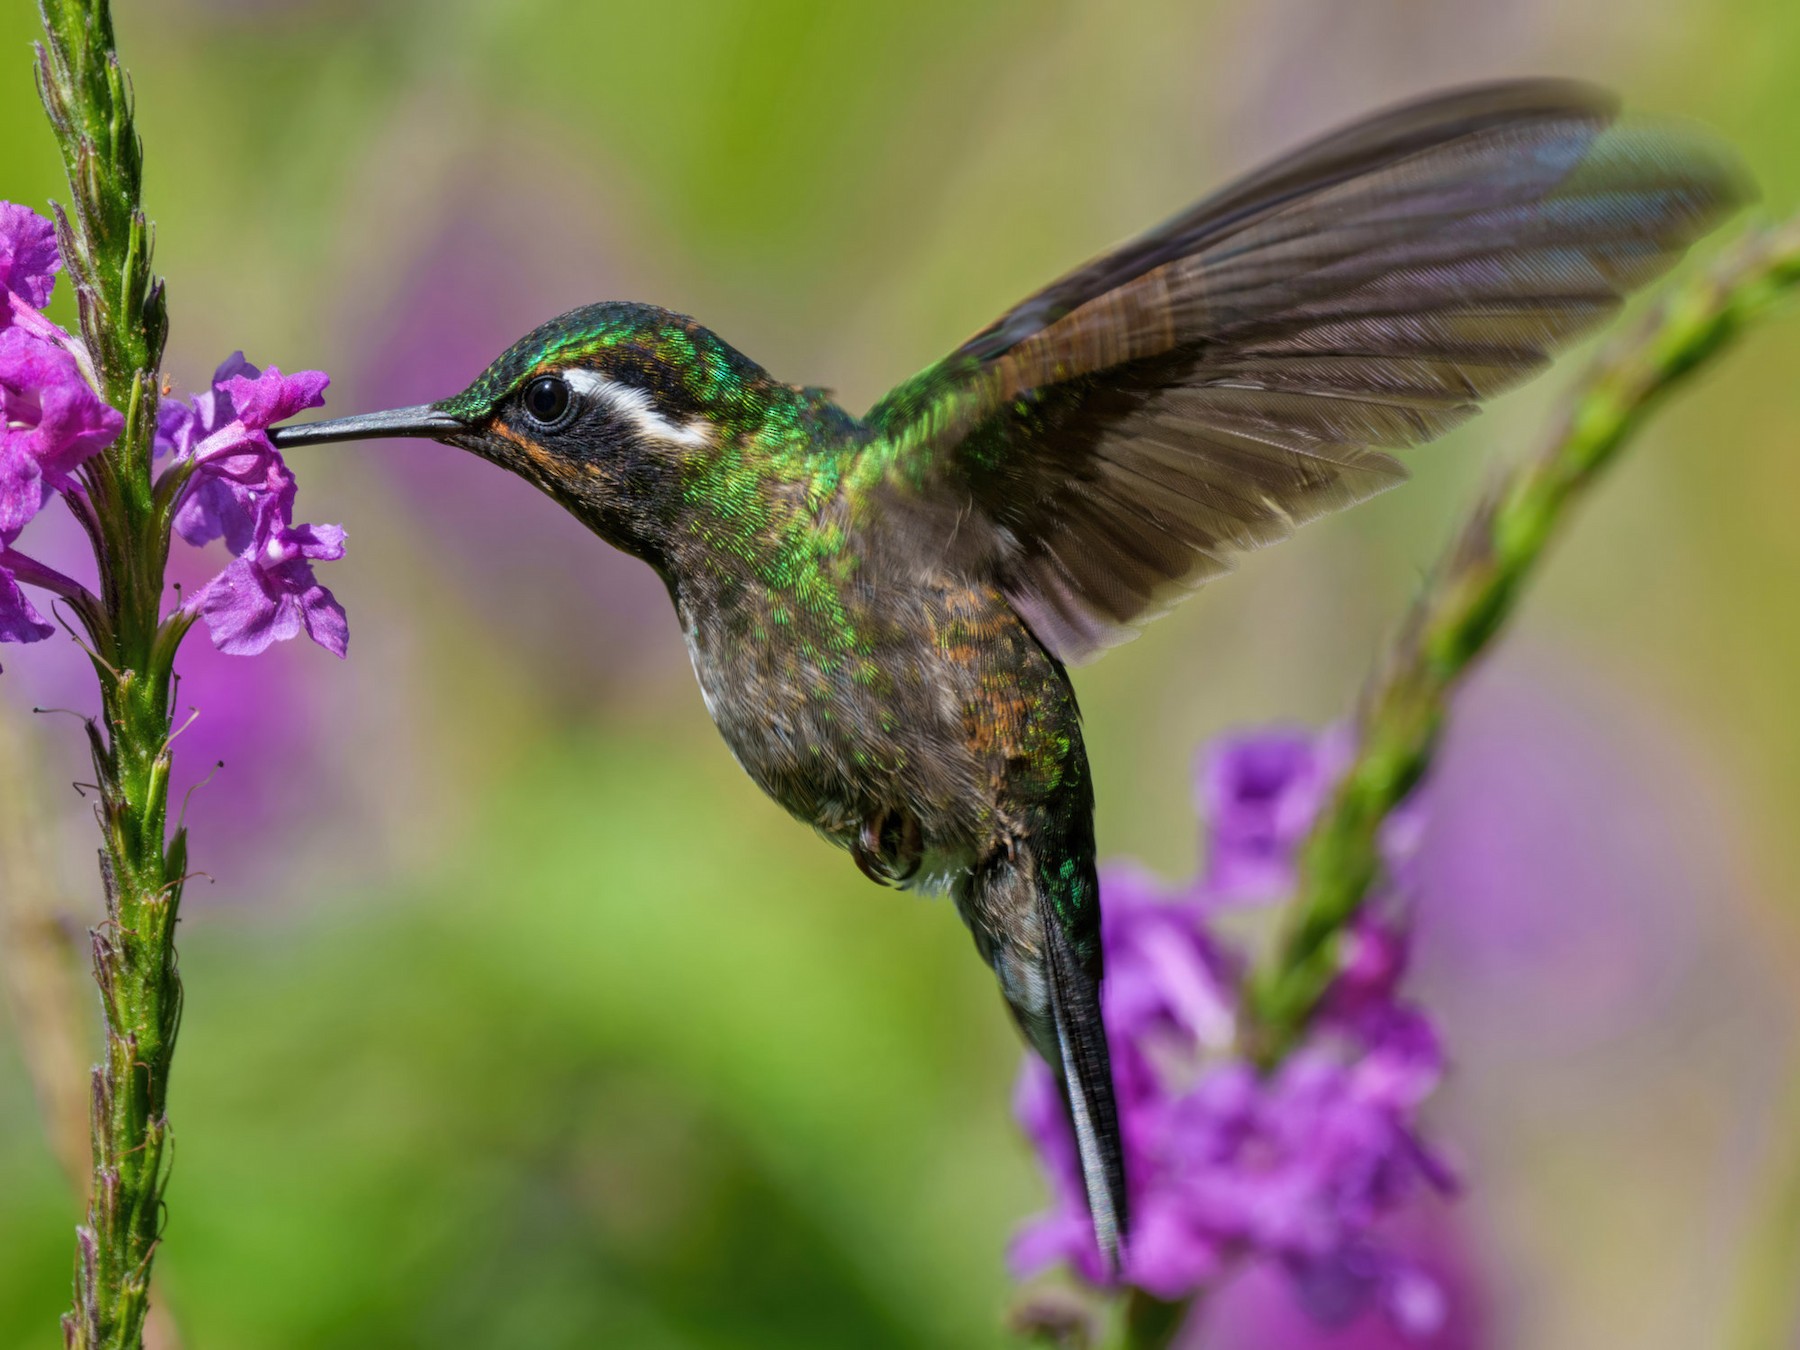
547, 400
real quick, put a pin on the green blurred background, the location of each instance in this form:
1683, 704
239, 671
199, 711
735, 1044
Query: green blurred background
517, 1017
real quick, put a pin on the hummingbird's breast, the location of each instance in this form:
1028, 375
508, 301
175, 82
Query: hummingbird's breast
856, 691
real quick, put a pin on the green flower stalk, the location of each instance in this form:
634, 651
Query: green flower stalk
80, 420
105, 243
1476, 589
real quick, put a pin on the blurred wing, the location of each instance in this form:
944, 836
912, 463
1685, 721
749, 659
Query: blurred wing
1118, 437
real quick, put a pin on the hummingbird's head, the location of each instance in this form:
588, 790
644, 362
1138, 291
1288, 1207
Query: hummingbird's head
609, 409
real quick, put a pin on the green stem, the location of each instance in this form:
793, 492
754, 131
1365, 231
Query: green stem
106, 248
1475, 590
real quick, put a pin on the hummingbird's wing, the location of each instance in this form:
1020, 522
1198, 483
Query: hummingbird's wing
1118, 437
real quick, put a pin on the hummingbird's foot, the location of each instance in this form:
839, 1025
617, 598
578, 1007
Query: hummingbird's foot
889, 849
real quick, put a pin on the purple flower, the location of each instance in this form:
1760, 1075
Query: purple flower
181, 426
1296, 1167
237, 488
241, 491
1375, 951
50, 417
1258, 793
1430, 1298
238, 473
237, 467
1165, 971
1170, 991
1571, 856
270, 594
50, 421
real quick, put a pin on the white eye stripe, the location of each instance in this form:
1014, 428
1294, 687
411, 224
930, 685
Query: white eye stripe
637, 408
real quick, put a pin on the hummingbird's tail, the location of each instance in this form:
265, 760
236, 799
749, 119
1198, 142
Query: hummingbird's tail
1086, 1066
1037, 923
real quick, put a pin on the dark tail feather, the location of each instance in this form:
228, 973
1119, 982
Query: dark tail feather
1088, 1087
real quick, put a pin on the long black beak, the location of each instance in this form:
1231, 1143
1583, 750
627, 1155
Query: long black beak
423, 420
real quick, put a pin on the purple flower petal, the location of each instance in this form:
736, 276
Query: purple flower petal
233, 367
316, 543
244, 613
1422, 1292
242, 491
1162, 965
1258, 793
1170, 1256
249, 606
219, 506
240, 486
1060, 1237
50, 421
264, 399
19, 619
21, 489
28, 255
180, 426
1416, 1304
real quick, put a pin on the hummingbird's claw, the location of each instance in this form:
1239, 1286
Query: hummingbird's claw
889, 849
868, 861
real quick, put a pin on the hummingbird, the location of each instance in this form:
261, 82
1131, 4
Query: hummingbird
881, 611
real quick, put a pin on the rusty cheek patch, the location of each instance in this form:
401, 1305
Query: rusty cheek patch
548, 468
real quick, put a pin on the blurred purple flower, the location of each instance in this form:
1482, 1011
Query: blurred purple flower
1258, 793
1170, 985
1574, 847
1226, 1164
1436, 1293
243, 492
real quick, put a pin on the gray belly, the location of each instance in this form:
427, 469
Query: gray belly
838, 751
944, 717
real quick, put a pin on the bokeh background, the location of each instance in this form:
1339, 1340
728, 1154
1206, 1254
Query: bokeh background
517, 1017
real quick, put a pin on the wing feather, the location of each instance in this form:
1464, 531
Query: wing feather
1119, 437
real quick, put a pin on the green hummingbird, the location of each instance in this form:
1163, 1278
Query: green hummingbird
880, 611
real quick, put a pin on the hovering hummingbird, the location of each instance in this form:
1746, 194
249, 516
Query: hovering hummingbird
880, 610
